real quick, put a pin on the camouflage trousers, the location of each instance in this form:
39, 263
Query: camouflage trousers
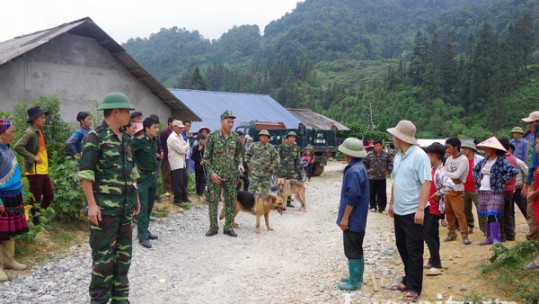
214, 197
111, 245
147, 185
260, 184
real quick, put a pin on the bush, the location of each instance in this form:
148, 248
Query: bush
68, 196
69, 200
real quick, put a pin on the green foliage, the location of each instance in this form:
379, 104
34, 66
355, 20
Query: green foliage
511, 257
56, 130
363, 132
455, 68
69, 199
45, 216
507, 268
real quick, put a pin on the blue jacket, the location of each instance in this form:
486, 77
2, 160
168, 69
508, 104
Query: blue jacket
500, 173
355, 192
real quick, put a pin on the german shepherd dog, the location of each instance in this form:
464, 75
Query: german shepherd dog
256, 204
287, 187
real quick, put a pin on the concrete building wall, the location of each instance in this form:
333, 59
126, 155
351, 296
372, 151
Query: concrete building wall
77, 70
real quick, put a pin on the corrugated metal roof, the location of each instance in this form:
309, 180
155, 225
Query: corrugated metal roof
315, 120
210, 105
18, 46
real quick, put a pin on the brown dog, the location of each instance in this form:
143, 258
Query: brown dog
287, 187
256, 204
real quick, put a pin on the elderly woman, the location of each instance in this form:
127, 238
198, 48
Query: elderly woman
491, 175
12, 220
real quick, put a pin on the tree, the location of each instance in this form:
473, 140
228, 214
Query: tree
197, 81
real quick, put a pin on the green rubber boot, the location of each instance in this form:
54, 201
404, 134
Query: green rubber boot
355, 268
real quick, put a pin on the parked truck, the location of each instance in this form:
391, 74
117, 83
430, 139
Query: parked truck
324, 142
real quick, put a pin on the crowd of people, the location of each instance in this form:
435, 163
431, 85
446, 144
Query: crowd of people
119, 164
441, 181
122, 158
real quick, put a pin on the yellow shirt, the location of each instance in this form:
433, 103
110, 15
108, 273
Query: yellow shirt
43, 167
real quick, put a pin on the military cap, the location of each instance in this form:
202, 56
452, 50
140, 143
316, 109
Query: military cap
517, 130
227, 114
291, 133
116, 100
264, 132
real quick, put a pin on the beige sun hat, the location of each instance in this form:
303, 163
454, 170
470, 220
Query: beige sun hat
405, 131
534, 116
353, 147
492, 143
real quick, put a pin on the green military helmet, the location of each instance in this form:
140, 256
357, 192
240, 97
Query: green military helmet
517, 130
227, 114
116, 100
291, 133
264, 132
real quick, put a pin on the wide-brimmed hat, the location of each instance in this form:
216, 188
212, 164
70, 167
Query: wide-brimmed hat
35, 112
116, 100
177, 123
405, 131
517, 130
353, 147
227, 114
204, 128
291, 133
492, 143
534, 116
264, 132
470, 145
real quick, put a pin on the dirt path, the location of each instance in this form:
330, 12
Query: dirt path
301, 261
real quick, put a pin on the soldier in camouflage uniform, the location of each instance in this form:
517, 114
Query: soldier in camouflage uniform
262, 159
107, 172
145, 150
223, 160
289, 160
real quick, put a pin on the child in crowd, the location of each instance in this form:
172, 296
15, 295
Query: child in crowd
308, 157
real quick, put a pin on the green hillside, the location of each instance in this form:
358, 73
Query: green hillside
453, 67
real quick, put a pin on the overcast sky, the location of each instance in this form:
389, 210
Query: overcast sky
129, 19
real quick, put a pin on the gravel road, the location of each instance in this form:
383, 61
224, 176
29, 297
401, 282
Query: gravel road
301, 261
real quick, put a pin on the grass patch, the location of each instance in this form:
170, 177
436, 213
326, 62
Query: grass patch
48, 243
506, 270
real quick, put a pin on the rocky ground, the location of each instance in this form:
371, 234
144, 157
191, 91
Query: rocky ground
301, 261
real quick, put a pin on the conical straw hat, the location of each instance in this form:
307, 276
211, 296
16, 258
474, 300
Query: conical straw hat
492, 143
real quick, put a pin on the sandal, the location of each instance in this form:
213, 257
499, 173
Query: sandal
532, 266
427, 266
435, 271
399, 287
411, 296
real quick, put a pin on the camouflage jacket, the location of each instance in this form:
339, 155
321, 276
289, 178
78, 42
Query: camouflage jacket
222, 155
261, 159
145, 151
108, 163
288, 160
379, 164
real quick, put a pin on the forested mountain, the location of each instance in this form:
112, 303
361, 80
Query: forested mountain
449, 65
